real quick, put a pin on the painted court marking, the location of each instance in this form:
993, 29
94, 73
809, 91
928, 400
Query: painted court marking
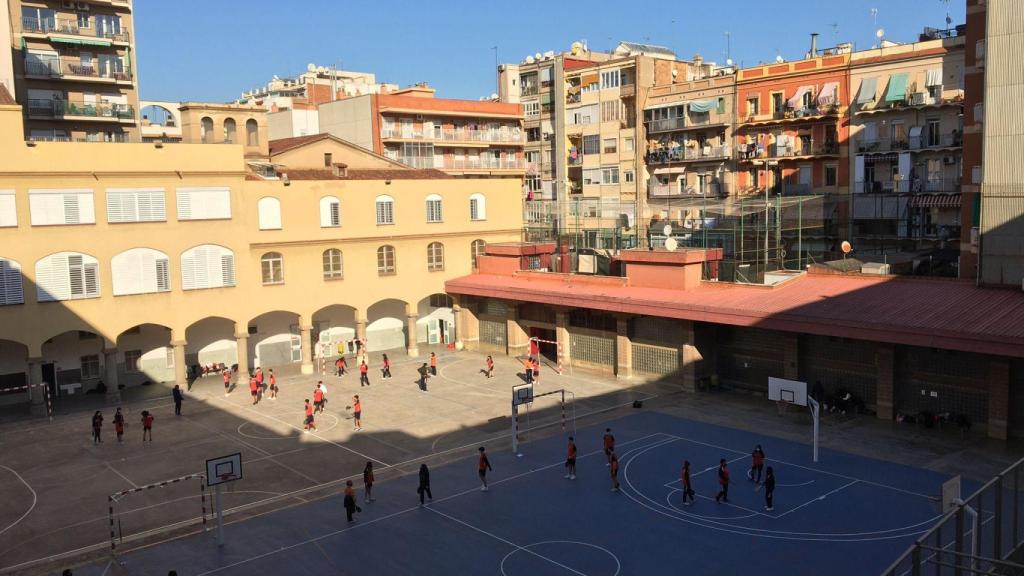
30, 508
280, 437
618, 565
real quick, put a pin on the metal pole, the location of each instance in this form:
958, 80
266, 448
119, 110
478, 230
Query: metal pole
515, 429
220, 514
814, 414
110, 510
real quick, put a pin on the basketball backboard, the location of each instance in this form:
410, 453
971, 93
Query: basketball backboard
792, 391
522, 394
224, 469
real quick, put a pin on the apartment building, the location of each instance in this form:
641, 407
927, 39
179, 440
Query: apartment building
148, 259
465, 138
315, 86
74, 69
906, 140
974, 124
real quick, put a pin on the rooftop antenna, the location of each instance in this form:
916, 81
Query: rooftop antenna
728, 46
835, 33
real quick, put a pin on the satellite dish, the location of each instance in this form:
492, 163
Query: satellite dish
311, 67
846, 247
675, 72
667, 230
728, 61
671, 245
779, 59
538, 56
879, 33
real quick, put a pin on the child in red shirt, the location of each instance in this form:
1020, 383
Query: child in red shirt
147, 425
309, 417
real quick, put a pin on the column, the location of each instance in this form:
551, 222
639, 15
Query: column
885, 381
623, 349
306, 345
791, 357
998, 397
110, 377
242, 352
457, 326
360, 327
36, 395
562, 337
518, 340
180, 370
411, 347
689, 356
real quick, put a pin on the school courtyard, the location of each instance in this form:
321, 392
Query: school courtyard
867, 499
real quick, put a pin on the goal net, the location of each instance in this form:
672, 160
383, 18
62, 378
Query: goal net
146, 510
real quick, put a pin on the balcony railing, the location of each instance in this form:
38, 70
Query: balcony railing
74, 67
455, 135
64, 108
666, 124
528, 90
71, 27
667, 155
909, 186
577, 161
483, 164
829, 148
678, 190
923, 142
793, 114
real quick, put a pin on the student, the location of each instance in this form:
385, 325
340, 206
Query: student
490, 366
259, 378
227, 381
147, 425
424, 487
609, 445
273, 385
424, 374
534, 347
386, 370
433, 364
536, 370
364, 378
97, 427
723, 481
570, 460
339, 364
687, 486
769, 489
368, 482
178, 397
756, 464
613, 468
350, 501
484, 466
528, 368
318, 399
357, 413
119, 425
254, 390
309, 423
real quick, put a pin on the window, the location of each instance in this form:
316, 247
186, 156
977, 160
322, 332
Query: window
628, 144
753, 106
131, 360
67, 276
386, 260
934, 135
440, 301
435, 256
272, 268
533, 134
979, 112
10, 283
609, 176
611, 111
90, 366
477, 249
328, 159
206, 130
754, 177
332, 264
61, 206
203, 203
269, 209
628, 176
975, 174
136, 205
330, 212
8, 209
591, 144
207, 266
610, 79
627, 76
591, 176
229, 131
477, 207
533, 182
83, 20
434, 208
531, 108
169, 356
385, 210
140, 271
584, 114
831, 175
252, 133
610, 145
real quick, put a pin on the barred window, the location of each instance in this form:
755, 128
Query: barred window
435, 256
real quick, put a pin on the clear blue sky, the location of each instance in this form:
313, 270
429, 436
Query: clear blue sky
212, 50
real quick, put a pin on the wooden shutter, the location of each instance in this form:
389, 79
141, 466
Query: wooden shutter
163, 276
10, 283
136, 205
269, 210
204, 203
188, 270
8, 209
92, 280
227, 263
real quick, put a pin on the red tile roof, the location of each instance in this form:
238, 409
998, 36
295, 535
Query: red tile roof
936, 313
5, 96
368, 174
284, 144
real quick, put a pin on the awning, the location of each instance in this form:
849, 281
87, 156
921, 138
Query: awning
699, 106
798, 99
670, 170
933, 77
897, 90
589, 79
79, 42
868, 87
935, 201
828, 94
665, 105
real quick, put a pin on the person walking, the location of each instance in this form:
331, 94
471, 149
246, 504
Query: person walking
178, 397
687, 486
309, 423
613, 469
119, 425
769, 489
147, 425
536, 370
756, 464
318, 398
433, 364
97, 427
227, 381
259, 379
364, 377
482, 468
609, 445
528, 369
368, 482
273, 385
350, 501
424, 373
570, 460
385, 372
723, 481
357, 413
490, 366
339, 366
254, 390
424, 487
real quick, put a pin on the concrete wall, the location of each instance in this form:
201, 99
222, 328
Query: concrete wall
292, 123
6, 53
350, 119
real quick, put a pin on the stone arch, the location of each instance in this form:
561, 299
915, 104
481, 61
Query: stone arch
274, 339
386, 325
144, 354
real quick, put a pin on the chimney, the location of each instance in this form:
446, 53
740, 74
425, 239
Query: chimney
340, 170
697, 65
814, 44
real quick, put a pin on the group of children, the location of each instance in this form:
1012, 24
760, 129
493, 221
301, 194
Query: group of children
259, 384
757, 467
97, 426
320, 400
349, 500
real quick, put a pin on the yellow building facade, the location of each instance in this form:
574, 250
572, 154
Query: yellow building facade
136, 262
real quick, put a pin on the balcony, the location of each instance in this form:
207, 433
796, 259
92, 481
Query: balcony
666, 124
678, 190
790, 116
75, 69
528, 90
117, 138
914, 101
803, 149
81, 110
919, 142
72, 28
460, 136
909, 186
627, 90
698, 154
481, 164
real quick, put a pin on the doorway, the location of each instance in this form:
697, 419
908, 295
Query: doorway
50, 378
548, 350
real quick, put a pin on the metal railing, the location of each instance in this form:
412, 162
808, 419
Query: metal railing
666, 124
74, 67
679, 190
922, 142
100, 139
455, 135
667, 155
483, 163
908, 186
528, 90
747, 152
71, 27
981, 534
63, 108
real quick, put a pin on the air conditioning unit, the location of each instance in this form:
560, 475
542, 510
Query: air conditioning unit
918, 98
949, 160
82, 5
419, 116
68, 4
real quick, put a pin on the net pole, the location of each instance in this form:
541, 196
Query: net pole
563, 410
49, 403
202, 499
110, 511
515, 428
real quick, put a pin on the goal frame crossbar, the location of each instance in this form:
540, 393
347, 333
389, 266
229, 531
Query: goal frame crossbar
112, 500
561, 392
558, 345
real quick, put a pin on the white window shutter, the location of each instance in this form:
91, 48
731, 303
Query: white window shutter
204, 203
269, 210
10, 283
227, 262
184, 204
8, 209
330, 212
92, 279
72, 213
52, 278
188, 271
126, 273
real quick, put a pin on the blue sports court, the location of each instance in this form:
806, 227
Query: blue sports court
847, 515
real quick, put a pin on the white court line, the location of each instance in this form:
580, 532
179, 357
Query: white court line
30, 508
818, 499
672, 483
668, 500
126, 479
407, 510
509, 542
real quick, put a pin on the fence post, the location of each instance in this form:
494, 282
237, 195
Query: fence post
915, 561
958, 541
997, 534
